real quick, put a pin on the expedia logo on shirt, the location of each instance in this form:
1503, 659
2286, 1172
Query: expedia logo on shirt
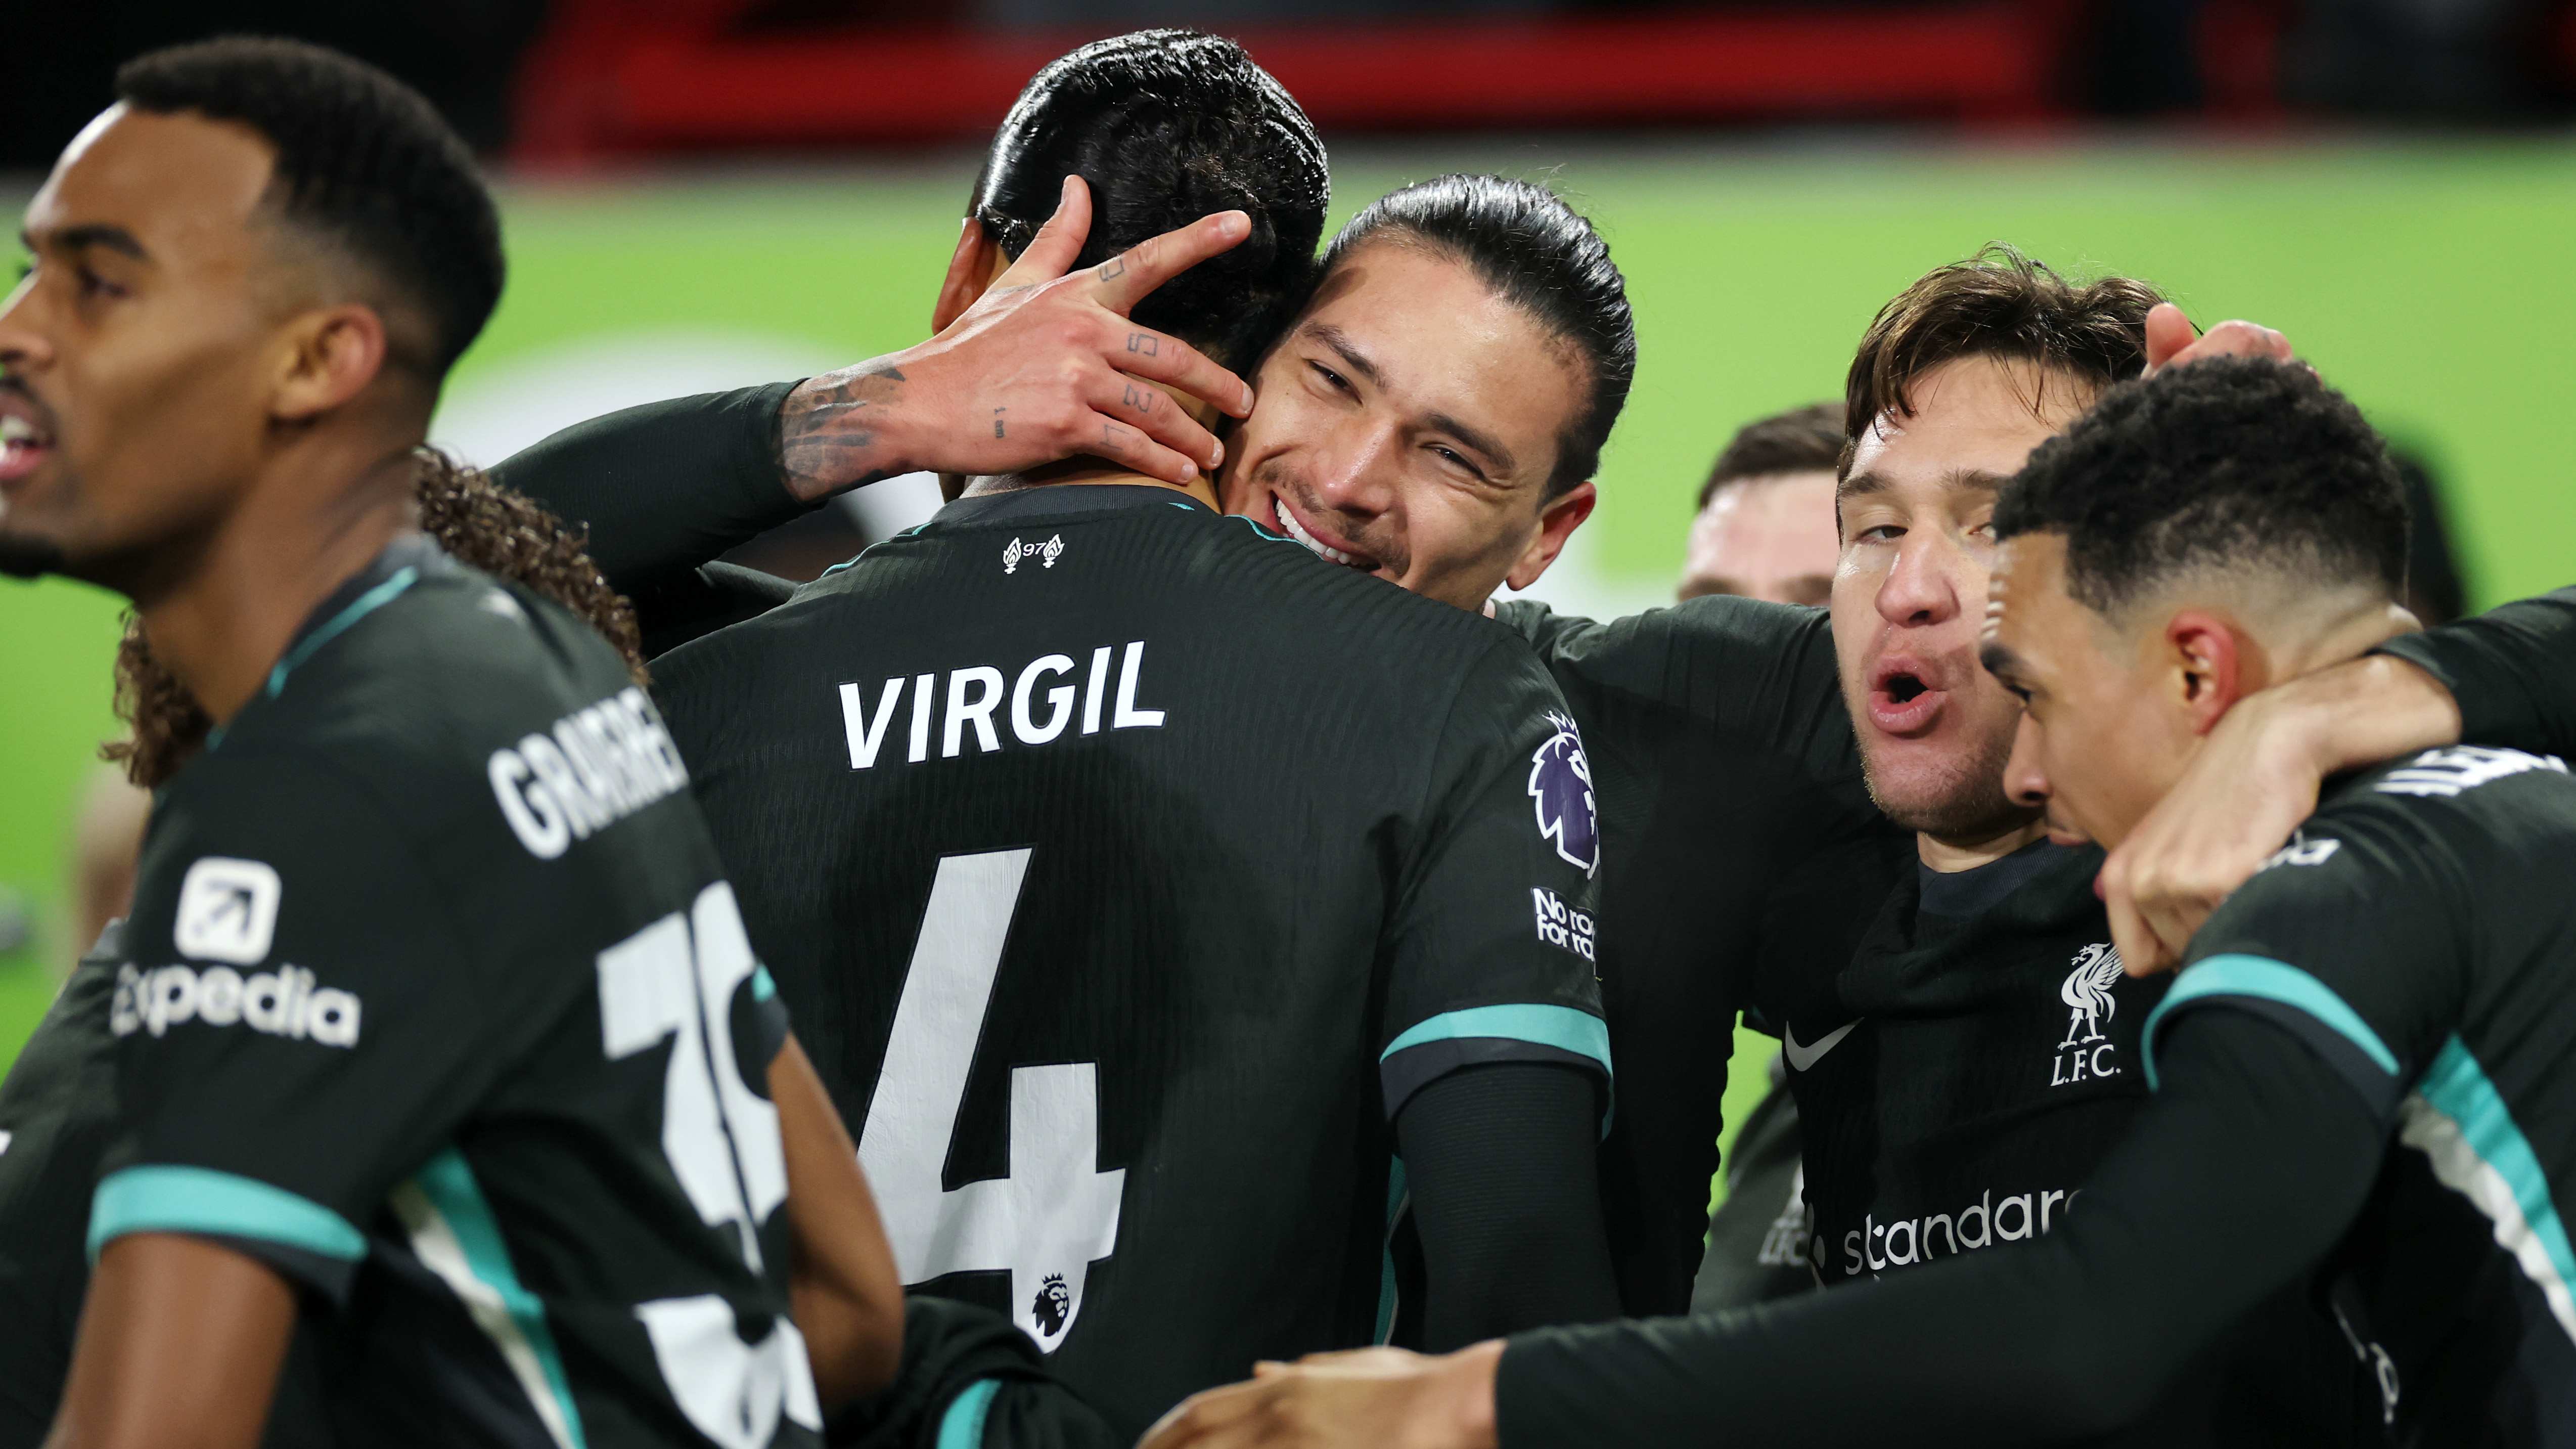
283, 1003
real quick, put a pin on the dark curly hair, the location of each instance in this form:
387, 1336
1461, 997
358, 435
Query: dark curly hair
364, 164
479, 523
1165, 127
1998, 303
1542, 256
2230, 463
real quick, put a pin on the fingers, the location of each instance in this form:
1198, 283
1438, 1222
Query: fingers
1120, 440
1150, 410
1149, 354
2169, 332
2237, 338
1203, 1418
1126, 278
2141, 954
1051, 252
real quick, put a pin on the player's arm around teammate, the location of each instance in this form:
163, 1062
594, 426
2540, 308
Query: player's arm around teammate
2507, 678
1037, 369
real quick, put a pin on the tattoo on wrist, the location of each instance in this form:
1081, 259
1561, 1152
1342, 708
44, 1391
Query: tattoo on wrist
827, 431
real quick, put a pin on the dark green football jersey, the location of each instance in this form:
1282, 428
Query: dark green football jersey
55, 1119
1127, 869
436, 1002
1741, 859
2418, 934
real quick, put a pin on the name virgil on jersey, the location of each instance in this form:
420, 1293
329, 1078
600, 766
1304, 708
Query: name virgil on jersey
974, 694
595, 767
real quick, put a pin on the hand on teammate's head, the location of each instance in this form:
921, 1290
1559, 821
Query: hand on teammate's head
2173, 342
1040, 367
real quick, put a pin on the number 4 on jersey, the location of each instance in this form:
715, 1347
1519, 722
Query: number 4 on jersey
1057, 1212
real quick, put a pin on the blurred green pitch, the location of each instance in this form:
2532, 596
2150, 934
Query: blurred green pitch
2430, 281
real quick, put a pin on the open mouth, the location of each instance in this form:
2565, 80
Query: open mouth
24, 442
1296, 528
1905, 698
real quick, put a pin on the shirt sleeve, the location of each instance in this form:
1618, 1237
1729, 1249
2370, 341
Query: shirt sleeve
306, 1021
664, 487
1760, 675
2065, 1339
2512, 670
2355, 939
1492, 942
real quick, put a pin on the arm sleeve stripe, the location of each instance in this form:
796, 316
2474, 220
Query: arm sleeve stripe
2460, 1121
1561, 1027
456, 1236
962, 1427
762, 987
2268, 980
202, 1200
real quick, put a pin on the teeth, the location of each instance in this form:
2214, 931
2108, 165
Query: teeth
15, 429
1288, 521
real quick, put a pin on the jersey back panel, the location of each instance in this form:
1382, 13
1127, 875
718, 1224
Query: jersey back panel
1124, 868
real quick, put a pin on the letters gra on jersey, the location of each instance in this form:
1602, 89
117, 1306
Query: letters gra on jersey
1038, 705
594, 768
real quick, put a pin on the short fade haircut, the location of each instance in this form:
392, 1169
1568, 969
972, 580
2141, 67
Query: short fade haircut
2000, 304
1165, 127
363, 163
1801, 440
1542, 256
2234, 463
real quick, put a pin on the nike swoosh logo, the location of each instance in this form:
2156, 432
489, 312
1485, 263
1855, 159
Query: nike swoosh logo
1801, 1058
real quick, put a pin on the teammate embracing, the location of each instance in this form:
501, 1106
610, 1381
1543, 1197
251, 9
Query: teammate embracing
2362, 1065
437, 1027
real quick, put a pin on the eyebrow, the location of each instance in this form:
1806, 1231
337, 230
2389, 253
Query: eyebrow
1342, 346
90, 234
1957, 480
1357, 361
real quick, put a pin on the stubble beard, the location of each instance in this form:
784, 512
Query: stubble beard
1964, 802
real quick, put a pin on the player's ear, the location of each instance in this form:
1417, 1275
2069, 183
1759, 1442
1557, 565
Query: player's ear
2208, 667
326, 357
1556, 523
971, 269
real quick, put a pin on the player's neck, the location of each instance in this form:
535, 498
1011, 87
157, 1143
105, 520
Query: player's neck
1079, 471
222, 616
1948, 854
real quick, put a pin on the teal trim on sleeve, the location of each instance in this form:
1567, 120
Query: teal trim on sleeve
359, 608
202, 1200
1562, 1027
762, 988
449, 1185
962, 1427
2458, 1088
2270, 980
1386, 1289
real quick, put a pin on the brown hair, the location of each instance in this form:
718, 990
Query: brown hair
1801, 440
2000, 304
477, 521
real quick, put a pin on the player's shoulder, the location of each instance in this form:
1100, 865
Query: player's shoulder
409, 690
2474, 800
2441, 825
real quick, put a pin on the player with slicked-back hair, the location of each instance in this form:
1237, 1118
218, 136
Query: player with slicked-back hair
406, 1042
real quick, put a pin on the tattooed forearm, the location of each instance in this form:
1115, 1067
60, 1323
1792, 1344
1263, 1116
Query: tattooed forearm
830, 431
